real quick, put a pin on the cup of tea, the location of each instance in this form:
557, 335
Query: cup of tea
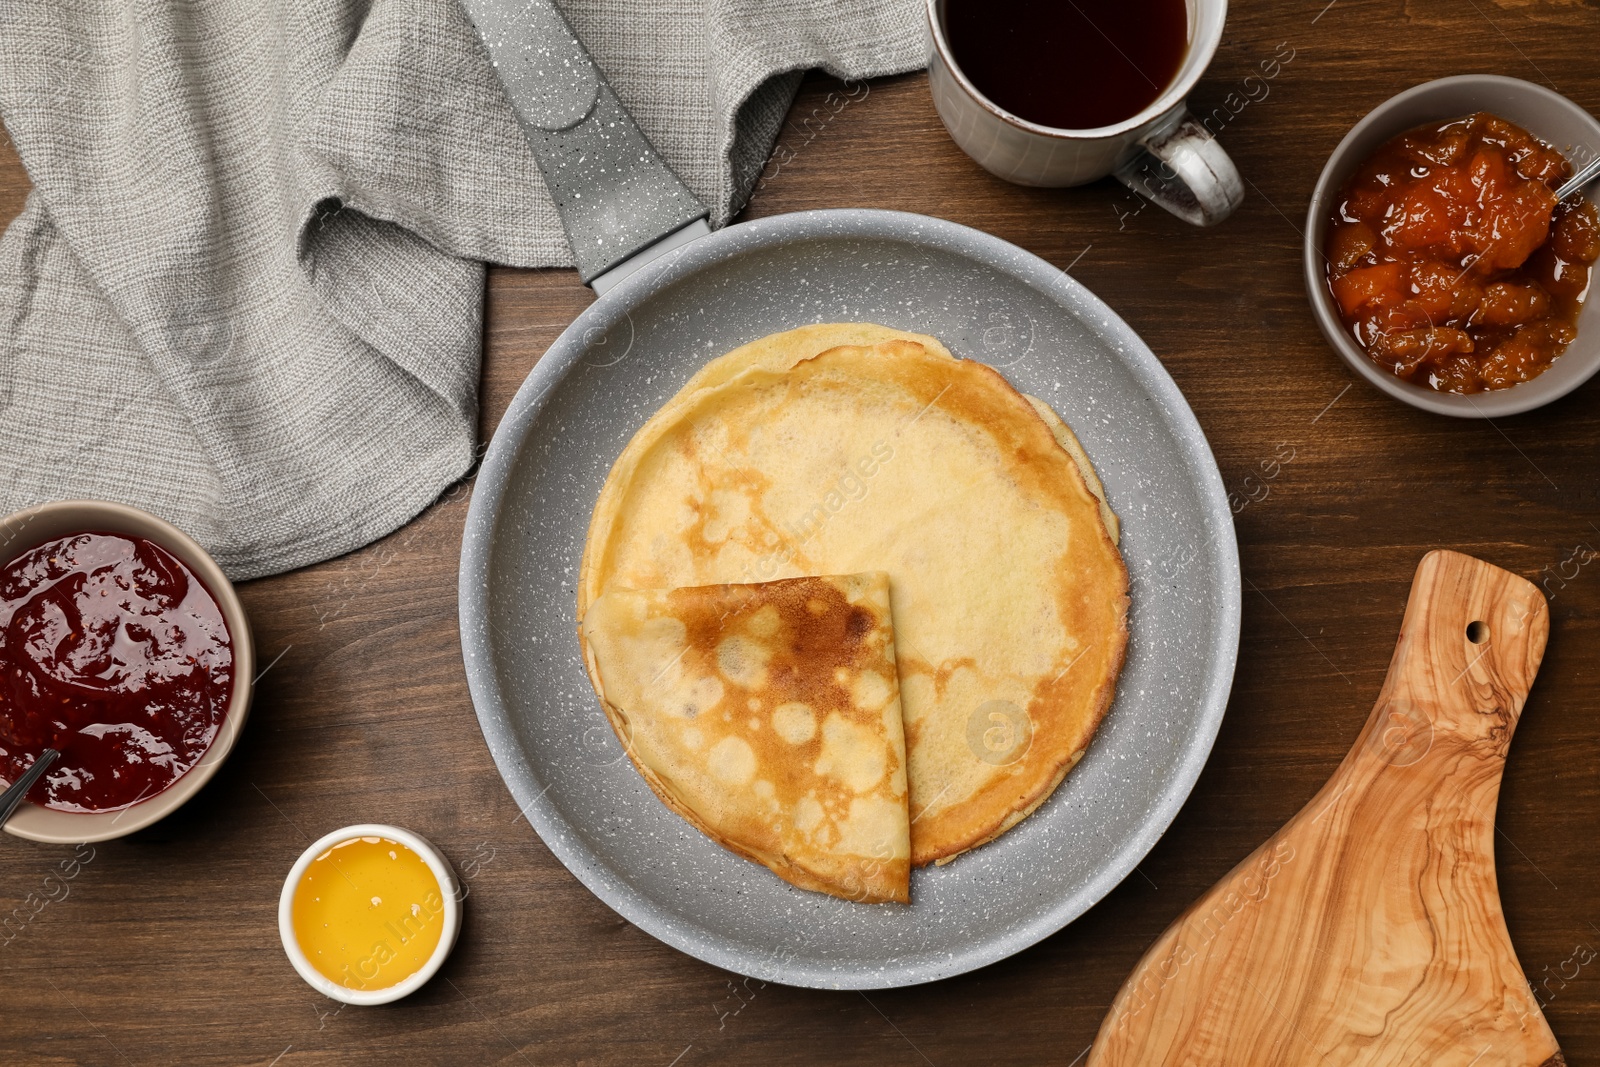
1041, 92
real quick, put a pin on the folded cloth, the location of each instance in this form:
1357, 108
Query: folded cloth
246, 291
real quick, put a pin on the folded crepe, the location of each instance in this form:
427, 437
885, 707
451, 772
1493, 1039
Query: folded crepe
768, 716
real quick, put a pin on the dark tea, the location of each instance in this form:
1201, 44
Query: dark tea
1069, 64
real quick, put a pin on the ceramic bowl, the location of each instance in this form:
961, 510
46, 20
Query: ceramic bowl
449, 889
1547, 115
35, 526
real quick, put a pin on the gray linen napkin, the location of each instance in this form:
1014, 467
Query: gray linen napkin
246, 291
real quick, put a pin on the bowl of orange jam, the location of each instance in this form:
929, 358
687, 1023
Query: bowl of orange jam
1440, 263
369, 913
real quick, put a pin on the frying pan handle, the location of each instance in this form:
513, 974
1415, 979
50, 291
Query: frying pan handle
614, 193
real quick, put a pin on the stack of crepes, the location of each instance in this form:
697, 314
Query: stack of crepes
853, 605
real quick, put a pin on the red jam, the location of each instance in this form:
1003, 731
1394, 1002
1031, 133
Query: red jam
114, 653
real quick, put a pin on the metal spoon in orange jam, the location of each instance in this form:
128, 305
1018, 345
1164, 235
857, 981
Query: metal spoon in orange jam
368, 913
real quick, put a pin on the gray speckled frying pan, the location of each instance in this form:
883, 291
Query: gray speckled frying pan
626, 355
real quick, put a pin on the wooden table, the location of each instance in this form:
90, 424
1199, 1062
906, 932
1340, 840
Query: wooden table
165, 946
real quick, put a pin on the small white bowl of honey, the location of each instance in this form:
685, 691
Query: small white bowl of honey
369, 913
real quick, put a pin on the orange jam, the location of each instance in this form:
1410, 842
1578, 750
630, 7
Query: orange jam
1451, 261
368, 913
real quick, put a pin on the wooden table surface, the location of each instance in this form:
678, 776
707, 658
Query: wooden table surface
164, 946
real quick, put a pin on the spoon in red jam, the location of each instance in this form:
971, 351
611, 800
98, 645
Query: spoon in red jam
19, 789
12, 798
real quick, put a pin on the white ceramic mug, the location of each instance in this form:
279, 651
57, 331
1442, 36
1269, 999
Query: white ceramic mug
1163, 152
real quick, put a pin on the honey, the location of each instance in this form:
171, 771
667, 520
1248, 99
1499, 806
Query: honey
368, 913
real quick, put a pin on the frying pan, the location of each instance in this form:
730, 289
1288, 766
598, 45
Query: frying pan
660, 315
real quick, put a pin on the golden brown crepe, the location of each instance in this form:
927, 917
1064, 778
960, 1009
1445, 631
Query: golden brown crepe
799, 455
768, 715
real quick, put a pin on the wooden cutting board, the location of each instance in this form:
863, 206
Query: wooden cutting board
1368, 930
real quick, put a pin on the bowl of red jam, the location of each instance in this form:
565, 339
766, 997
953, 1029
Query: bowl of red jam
1438, 261
124, 647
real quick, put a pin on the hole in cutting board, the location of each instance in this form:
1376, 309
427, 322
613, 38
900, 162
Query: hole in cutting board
1477, 632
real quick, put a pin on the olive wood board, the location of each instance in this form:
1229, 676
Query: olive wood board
1368, 930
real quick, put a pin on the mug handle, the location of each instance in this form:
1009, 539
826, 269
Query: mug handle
1186, 171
